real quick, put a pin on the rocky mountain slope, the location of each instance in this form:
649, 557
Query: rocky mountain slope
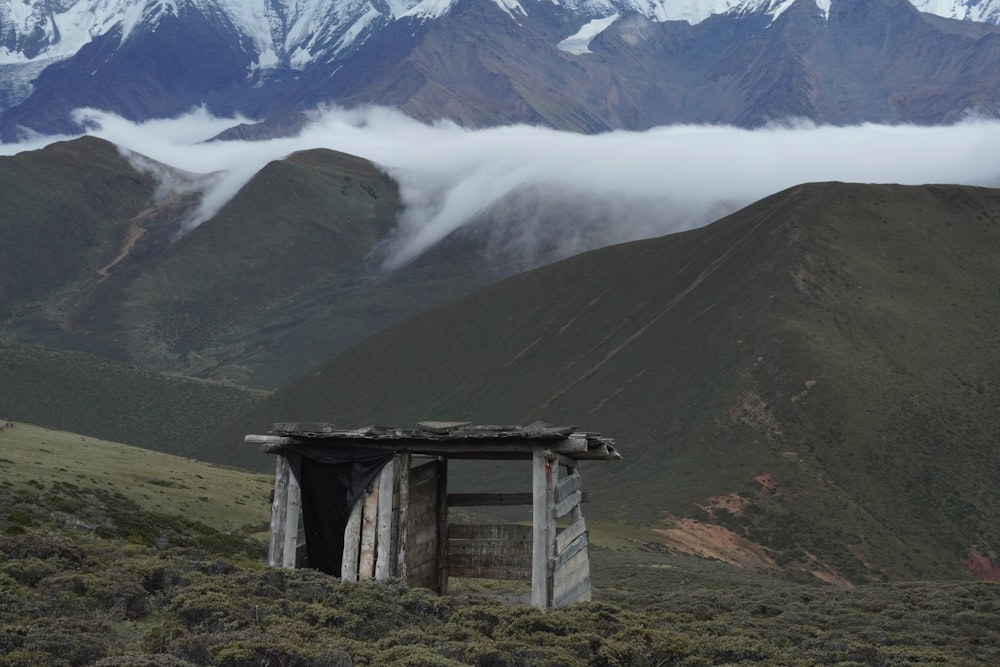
588, 66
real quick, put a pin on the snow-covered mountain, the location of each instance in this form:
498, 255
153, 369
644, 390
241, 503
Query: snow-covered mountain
476, 61
294, 32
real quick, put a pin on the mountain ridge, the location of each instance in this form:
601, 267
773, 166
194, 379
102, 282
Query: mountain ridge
791, 342
482, 63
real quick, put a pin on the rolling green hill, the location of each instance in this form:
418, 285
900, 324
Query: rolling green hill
90, 260
97, 397
808, 385
66, 211
282, 278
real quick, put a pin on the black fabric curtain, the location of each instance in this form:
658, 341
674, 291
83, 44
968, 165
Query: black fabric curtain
332, 479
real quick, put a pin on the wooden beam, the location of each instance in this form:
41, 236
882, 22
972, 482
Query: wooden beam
488, 499
383, 557
462, 448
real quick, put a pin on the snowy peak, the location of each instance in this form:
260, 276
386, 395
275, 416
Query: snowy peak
57, 30
980, 11
291, 33
585, 65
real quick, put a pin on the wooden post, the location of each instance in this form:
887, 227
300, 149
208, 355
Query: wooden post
291, 534
442, 525
282, 472
543, 529
366, 561
352, 546
404, 515
383, 557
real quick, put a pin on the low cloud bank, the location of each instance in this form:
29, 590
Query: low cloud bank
603, 188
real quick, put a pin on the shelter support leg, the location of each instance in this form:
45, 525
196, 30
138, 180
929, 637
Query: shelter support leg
543, 528
284, 516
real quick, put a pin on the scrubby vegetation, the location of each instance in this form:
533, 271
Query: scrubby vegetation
90, 577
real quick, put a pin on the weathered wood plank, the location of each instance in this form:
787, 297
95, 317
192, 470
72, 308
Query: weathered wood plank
424, 575
572, 549
425, 533
404, 511
423, 474
488, 499
487, 551
541, 513
441, 427
570, 533
470, 448
567, 485
290, 535
278, 509
566, 506
442, 526
581, 591
369, 525
503, 532
572, 580
383, 554
422, 553
487, 572
352, 543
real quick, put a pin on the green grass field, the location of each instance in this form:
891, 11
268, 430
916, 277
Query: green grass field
118, 557
224, 498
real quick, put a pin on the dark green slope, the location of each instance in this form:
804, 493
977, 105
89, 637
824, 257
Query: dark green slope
824, 360
91, 260
93, 396
207, 302
64, 211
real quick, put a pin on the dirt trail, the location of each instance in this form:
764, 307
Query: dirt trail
134, 234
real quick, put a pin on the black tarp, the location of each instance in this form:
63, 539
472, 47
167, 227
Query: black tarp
332, 479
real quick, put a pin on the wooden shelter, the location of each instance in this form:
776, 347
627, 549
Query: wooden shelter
393, 485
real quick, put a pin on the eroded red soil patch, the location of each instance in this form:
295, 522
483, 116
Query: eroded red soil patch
695, 538
982, 565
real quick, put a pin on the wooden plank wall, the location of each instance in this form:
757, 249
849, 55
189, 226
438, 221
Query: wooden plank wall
286, 533
368, 537
571, 563
422, 542
489, 551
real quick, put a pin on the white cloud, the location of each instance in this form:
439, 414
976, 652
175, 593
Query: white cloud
589, 189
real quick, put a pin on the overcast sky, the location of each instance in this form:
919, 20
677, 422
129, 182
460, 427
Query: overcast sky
642, 183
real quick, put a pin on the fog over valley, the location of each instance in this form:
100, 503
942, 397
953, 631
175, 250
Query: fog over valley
602, 189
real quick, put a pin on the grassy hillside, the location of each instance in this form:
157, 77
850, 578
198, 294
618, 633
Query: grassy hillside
66, 211
808, 385
284, 277
224, 499
91, 395
90, 260
119, 557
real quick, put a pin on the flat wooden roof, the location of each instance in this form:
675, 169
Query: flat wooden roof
449, 439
